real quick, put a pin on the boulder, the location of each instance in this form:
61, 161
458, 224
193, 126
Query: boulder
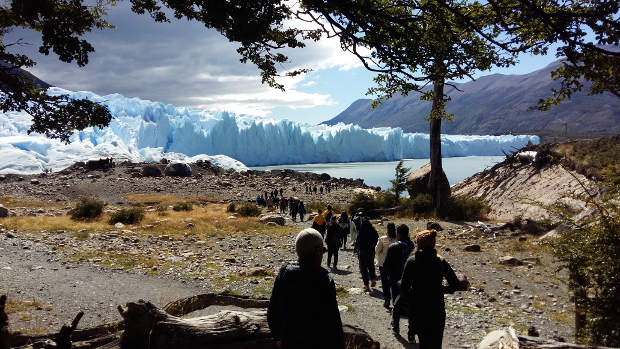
34, 181
510, 260
434, 225
472, 248
279, 220
178, 169
256, 271
151, 171
4, 212
417, 182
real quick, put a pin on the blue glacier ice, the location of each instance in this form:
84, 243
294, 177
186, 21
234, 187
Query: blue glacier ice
143, 130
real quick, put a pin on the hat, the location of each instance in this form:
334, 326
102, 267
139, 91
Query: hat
426, 239
308, 242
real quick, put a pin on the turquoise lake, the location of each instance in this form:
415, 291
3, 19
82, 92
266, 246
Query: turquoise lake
380, 173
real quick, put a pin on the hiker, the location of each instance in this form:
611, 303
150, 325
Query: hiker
393, 266
333, 239
281, 192
422, 282
380, 253
301, 208
303, 311
319, 223
329, 213
314, 190
366, 241
343, 221
321, 189
293, 208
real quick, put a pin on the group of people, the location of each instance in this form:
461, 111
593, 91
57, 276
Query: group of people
293, 205
412, 274
326, 187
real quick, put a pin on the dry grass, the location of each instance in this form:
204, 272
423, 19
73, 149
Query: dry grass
164, 199
209, 220
11, 202
18, 306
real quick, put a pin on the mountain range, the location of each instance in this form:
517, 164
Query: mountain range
495, 104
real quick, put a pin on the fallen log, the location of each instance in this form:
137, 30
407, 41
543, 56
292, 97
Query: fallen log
507, 339
148, 327
187, 305
85, 335
527, 342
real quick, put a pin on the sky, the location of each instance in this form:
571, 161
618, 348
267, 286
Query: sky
187, 65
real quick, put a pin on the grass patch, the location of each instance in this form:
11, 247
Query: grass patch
249, 210
183, 206
87, 208
131, 215
163, 199
262, 290
125, 261
341, 292
17, 306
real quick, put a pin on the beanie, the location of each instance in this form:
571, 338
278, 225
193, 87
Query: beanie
426, 239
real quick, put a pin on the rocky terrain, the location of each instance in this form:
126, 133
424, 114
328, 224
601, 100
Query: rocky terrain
50, 271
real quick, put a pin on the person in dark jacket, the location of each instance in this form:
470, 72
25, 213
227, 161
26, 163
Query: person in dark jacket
303, 311
301, 208
343, 221
393, 266
292, 204
422, 282
333, 239
367, 238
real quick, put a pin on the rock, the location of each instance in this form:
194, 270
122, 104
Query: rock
119, 225
417, 182
355, 290
504, 339
434, 225
256, 271
463, 282
343, 308
151, 171
34, 181
2, 177
4, 212
178, 169
531, 227
472, 248
510, 260
533, 332
279, 220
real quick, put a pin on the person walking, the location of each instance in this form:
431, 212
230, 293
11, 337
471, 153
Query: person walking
380, 253
422, 282
329, 213
393, 266
343, 221
303, 310
293, 208
319, 223
333, 239
301, 209
366, 241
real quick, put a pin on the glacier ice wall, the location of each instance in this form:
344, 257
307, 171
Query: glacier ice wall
142, 130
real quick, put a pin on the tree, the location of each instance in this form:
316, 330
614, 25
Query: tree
416, 43
399, 183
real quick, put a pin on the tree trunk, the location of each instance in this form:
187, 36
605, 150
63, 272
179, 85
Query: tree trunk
437, 183
148, 327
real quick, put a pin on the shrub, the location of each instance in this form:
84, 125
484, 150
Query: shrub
161, 209
465, 208
420, 204
249, 210
87, 208
364, 202
131, 215
231, 207
183, 206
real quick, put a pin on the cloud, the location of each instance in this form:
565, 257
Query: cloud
185, 64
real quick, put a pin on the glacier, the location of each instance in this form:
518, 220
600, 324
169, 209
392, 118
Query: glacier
143, 130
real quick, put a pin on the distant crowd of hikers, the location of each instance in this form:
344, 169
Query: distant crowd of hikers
303, 311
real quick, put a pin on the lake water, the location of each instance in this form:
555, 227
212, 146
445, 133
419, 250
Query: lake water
380, 173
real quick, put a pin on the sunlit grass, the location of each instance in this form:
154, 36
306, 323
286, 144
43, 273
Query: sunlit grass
11, 202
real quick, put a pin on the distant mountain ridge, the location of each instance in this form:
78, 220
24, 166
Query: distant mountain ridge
495, 104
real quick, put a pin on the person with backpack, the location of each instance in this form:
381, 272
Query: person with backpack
301, 209
328, 213
380, 254
367, 238
394, 264
422, 283
319, 223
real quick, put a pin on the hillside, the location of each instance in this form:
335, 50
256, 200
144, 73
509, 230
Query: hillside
495, 104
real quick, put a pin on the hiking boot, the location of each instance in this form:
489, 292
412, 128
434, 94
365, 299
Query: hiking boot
373, 283
386, 304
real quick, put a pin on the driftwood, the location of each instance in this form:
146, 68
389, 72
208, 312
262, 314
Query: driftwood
148, 327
